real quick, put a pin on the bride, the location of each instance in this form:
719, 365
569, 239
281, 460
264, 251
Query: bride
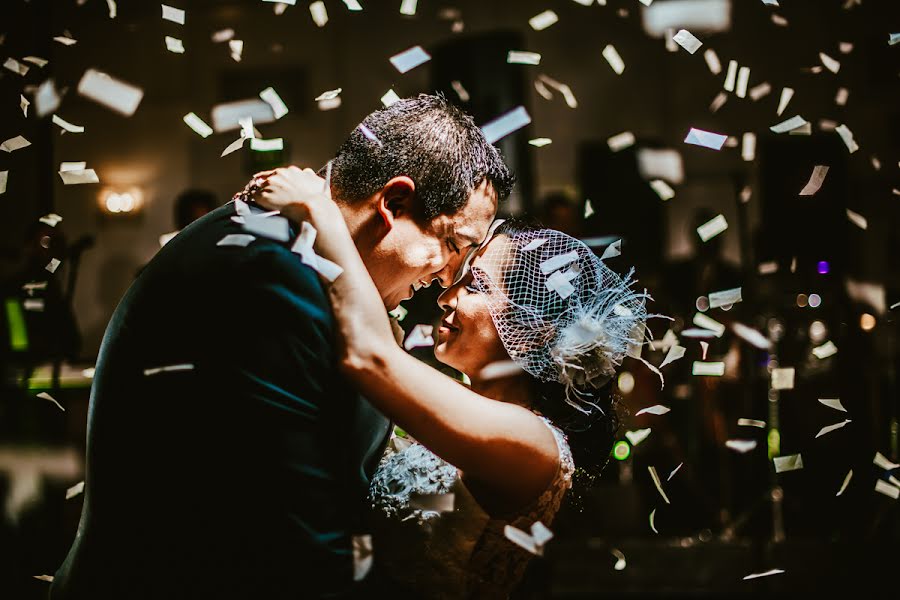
539, 324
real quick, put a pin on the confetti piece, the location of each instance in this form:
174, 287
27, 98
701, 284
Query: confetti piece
362, 556
652, 525
730, 76
717, 299
815, 180
176, 15
233, 146
521, 539
460, 91
705, 346
791, 462
75, 490
718, 102
894, 38
637, 436
840, 98
834, 403
66, 125
272, 227
198, 125
612, 251
543, 20
658, 484
885, 488
707, 139
236, 239
500, 370
770, 2
329, 95
621, 141
540, 533
540, 142
4, 178
116, 95
271, 97
847, 136
783, 378
223, 35
48, 578
389, 98
846, 482
15, 143
408, 7
657, 409
410, 59
557, 262
65, 40
794, 122
881, 461
701, 320
857, 219
662, 189
16, 67
517, 57
534, 245
615, 61
399, 313
420, 336
751, 423
767, 268
786, 95
506, 124
712, 228
24, 104
748, 146
303, 246
620, 559
330, 104
760, 91
52, 219
559, 282
33, 304
675, 470
686, 40
825, 350
741, 446
713, 369
588, 208
237, 49
830, 428
319, 13
46, 396
830, 63
712, 61
174, 45
79, 177
168, 369
765, 574
674, 353
266, 145
743, 79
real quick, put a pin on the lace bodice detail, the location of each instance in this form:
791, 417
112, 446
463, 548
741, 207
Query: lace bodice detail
451, 554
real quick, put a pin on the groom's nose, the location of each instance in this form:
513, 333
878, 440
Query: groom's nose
446, 275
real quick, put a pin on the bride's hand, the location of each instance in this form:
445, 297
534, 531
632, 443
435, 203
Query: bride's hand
292, 191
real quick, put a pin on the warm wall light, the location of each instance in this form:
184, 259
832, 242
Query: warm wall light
866, 322
121, 201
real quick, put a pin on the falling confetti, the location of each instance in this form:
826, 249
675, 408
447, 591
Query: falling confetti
615, 61
675, 352
783, 378
652, 518
517, 57
540, 142
543, 20
198, 125
588, 208
764, 574
686, 40
847, 137
675, 470
846, 482
506, 124
638, 436
362, 556
751, 423
724, 298
271, 97
658, 483
658, 409
15, 143
410, 59
825, 350
419, 337
76, 489
815, 180
741, 446
834, 403
887, 489
830, 428
713, 369
174, 45
168, 369
620, 559
621, 141
712, 228
707, 139
49, 398
319, 13
792, 462
116, 95
662, 189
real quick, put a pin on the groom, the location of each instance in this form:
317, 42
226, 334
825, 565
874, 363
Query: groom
226, 455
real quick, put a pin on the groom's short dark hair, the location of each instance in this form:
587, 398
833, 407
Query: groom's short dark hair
430, 141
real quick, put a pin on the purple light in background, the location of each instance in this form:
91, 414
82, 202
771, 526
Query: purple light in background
823, 267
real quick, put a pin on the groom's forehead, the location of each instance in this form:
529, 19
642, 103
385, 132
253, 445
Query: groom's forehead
472, 221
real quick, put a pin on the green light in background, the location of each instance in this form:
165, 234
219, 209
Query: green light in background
18, 334
774, 443
621, 450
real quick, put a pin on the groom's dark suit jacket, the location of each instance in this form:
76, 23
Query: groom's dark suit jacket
244, 476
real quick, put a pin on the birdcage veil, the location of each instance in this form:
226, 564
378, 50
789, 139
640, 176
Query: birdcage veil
562, 314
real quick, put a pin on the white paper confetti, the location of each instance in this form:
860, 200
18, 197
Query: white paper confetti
174, 45
4, 178
707, 139
741, 446
519, 57
506, 124
706, 322
751, 423
119, 96
657, 409
620, 559
857, 219
303, 246
791, 462
588, 208
410, 59
687, 40
559, 261
841, 96
830, 428
534, 244
825, 350
540, 142
267, 145
615, 61
543, 20
52, 219
743, 80
764, 574
893, 38
846, 482
652, 520
76, 489
883, 487
420, 336
460, 90
16, 67
48, 578
329, 95
834, 403
198, 125
14, 143
408, 7
662, 189
236, 239
712, 369
65, 40
168, 369
748, 146
273, 227
612, 251
847, 136
760, 91
637, 436
621, 141
731, 76
170, 13
712, 228
362, 556
658, 484
236, 47
319, 13
717, 299
223, 35
794, 122
271, 97
881, 461
675, 470
712, 61
751, 336
783, 378
79, 177
500, 370
389, 98
830, 63
57, 120
674, 353
49, 398
815, 180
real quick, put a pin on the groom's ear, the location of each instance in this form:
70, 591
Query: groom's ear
396, 200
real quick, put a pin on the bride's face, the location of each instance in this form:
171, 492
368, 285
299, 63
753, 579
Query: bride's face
468, 339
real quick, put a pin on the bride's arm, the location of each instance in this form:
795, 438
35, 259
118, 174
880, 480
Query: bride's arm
498, 443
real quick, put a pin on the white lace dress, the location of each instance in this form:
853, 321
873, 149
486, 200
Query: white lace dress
461, 553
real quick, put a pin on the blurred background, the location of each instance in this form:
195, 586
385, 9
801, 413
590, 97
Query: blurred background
819, 275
